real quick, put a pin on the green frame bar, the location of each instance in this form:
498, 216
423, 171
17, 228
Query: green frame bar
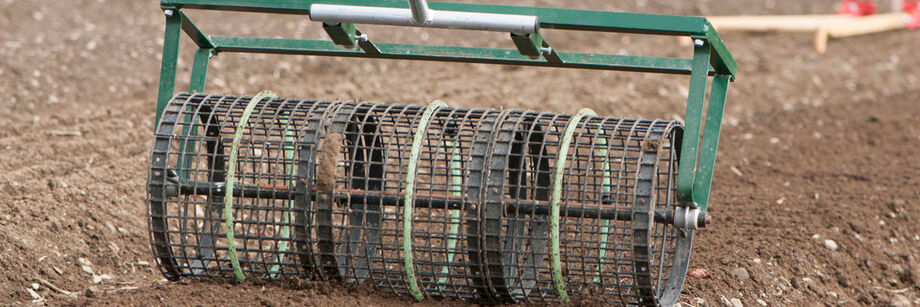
711, 58
693, 122
453, 54
196, 85
168, 65
550, 18
200, 70
709, 145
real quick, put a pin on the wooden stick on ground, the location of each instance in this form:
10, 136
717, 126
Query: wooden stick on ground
860, 26
53, 287
824, 27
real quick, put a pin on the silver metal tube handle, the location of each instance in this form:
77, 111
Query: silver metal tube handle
335, 14
421, 14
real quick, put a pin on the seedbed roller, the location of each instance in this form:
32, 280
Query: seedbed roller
494, 206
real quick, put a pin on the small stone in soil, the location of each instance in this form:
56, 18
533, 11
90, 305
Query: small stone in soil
34, 294
91, 292
899, 301
741, 274
87, 269
736, 303
831, 245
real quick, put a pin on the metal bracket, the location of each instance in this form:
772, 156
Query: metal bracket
346, 34
534, 46
529, 44
342, 34
685, 218
689, 218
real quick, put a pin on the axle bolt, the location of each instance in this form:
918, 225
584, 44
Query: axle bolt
698, 42
168, 13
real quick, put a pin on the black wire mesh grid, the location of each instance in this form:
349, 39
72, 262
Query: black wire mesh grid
320, 191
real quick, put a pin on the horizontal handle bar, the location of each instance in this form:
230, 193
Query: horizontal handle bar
334, 14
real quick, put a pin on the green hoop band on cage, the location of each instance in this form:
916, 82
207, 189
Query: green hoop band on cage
290, 170
558, 173
228, 183
605, 192
409, 200
455, 188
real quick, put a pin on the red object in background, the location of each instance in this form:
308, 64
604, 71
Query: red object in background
912, 8
857, 8
700, 273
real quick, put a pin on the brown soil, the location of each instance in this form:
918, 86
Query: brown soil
815, 147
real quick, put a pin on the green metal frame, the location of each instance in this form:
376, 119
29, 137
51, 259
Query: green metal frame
711, 58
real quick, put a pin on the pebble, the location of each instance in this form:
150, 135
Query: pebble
34, 294
83, 261
736, 303
761, 302
91, 292
110, 227
725, 301
899, 301
115, 249
87, 269
741, 274
812, 284
34, 286
831, 245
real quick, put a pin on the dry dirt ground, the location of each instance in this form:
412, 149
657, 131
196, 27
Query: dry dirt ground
815, 147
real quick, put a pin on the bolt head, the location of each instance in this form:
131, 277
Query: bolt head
698, 42
168, 13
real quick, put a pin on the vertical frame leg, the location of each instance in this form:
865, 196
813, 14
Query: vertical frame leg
710, 143
170, 60
196, 85
200, 70
694, 120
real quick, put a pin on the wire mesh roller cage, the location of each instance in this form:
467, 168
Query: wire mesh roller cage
322, 189
493, 206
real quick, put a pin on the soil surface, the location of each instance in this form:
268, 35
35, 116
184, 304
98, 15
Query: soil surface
814, 200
